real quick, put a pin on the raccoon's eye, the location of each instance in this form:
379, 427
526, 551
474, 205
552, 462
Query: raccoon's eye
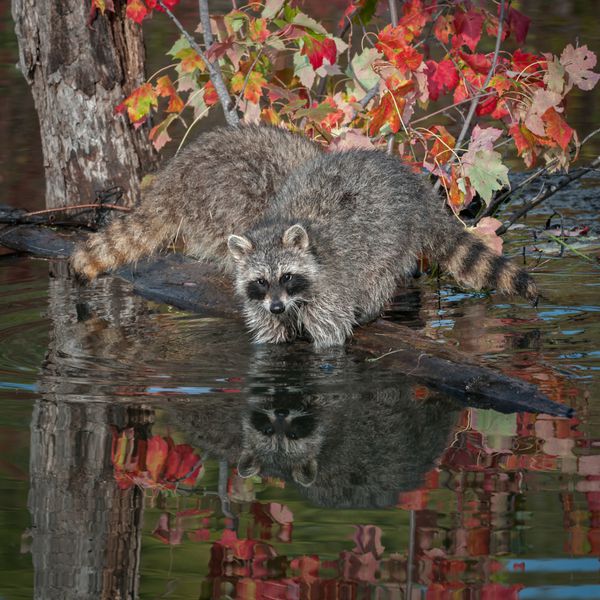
292, 436
268, 430
285, 278
261, 281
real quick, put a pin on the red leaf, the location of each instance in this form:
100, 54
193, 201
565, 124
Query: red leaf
350, 10
526, 62
443, 145
414, 17
480, 63
317, 51
468, 27
137, 10
518, 23
486, 105
441, 77
210, 94
257, 30
444, 28
557, 128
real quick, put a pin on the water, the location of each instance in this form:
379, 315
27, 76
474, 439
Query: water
411, 495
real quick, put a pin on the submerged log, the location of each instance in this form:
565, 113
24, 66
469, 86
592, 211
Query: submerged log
198, 287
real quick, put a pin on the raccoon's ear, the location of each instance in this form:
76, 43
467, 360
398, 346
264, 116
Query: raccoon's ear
239, 246
306, 473
295, 237
248, 465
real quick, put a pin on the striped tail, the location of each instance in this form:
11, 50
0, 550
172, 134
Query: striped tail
125, 240
475, 266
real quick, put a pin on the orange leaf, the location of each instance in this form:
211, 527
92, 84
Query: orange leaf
156, 455
443, 145
140, 103
557, 128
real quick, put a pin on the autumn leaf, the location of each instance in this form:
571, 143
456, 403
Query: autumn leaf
486, 173
139, 103
525, 142
104, 5
257, 30
578, 63
159, 135
444, 28
486, 231
468, 26
165, 88
386, 112
210, 94
518, 24
443, 145
441, 77
136, 10
557, 128
542, 100
254, 83
318, 51
414, 17
272, 7
480, 63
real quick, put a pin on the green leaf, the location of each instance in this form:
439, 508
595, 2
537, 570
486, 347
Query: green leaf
487, 173
303, 69
272, 7
362, 70
303, 20
178, 46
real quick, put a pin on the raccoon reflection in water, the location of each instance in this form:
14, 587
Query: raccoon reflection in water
345, 450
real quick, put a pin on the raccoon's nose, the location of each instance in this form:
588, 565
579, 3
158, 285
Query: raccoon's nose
277, 307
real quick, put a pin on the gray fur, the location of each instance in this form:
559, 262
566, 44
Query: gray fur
366, 218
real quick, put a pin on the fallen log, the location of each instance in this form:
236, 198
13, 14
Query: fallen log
193, 286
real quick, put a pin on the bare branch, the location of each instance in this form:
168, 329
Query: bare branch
393, 12
214, 70
549, 192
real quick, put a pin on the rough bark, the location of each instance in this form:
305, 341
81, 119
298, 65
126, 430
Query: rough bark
78, 74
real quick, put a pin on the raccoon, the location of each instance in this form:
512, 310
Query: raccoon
342, 232
220, 184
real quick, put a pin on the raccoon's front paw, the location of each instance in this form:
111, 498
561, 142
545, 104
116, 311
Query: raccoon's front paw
84, 265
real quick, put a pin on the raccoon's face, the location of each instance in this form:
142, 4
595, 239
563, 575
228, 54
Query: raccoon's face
281, 437
274, 272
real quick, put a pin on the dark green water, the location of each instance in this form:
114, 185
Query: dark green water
416, 496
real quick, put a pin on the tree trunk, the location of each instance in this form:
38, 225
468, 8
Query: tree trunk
79, 73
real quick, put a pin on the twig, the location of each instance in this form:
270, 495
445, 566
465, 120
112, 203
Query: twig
569, 247
467, 124
394, 20
77, 207
549, 192
369, 95
214, 70
247, 78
